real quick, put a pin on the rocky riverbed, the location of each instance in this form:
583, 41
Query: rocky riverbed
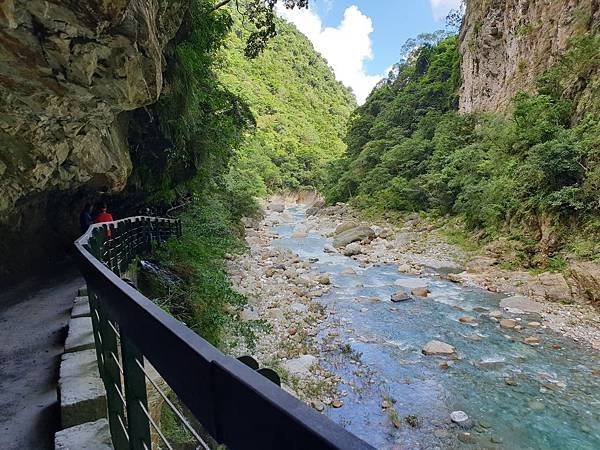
337, 300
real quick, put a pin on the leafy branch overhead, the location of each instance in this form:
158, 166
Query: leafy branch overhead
261, 16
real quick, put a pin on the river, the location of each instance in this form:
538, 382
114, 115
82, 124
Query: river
517, 396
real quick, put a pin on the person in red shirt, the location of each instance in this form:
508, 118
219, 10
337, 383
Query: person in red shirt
103, 216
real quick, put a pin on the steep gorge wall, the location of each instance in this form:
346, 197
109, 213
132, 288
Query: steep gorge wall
69, 72
506, 44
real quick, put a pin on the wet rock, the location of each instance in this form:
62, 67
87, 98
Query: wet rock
420, 292
508, 323
318, 405
329, 249
496, 439
385, 404
495, 314
494, 362
521, 303
467, 319
534, 324
353, 235
532, 340
459, 417
510, 382
400, 296
300, 366
352, 249
536, 405
349, 271
438, 348
466, 438
337, 403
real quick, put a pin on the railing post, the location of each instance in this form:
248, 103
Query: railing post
112, 383
136, 396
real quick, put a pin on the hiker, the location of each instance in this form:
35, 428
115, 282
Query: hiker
85, 218
102, 215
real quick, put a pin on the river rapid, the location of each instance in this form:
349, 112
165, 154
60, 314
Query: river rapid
522, 385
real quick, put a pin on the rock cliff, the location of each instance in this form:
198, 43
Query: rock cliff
506, 44
69, 69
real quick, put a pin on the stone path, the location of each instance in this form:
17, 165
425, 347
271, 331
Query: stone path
33, 317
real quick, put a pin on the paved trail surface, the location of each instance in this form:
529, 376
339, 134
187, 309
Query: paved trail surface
33, 320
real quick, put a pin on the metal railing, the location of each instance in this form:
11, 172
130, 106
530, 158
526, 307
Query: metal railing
235, 405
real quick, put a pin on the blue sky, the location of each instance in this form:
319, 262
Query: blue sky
361, 39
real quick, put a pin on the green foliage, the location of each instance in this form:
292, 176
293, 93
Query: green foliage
198, 259
409, 150
301, 110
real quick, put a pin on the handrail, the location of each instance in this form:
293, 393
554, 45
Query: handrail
234, 404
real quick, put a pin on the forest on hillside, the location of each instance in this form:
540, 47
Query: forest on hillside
532, 174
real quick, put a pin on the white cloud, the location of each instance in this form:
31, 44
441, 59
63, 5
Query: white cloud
441, 8
345, 47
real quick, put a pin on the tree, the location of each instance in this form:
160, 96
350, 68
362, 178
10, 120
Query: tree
261, 15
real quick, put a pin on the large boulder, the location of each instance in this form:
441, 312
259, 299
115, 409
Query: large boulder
586, 276
345, 226
353, 235
521, 303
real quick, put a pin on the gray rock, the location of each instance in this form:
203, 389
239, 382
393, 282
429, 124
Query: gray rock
324, 279
459, 417
300, 366
276, 207
439, 348
80, 336
345, 226
87, 436
329, 249
521, 303
352, 249
400, 296
353, 235
248, 314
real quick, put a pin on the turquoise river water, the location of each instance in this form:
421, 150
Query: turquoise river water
554, 402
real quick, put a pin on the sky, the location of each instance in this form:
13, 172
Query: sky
362, 39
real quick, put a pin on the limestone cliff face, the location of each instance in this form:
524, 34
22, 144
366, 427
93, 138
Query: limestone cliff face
69, 70
506, 44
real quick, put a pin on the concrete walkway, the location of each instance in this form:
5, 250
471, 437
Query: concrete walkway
33, 317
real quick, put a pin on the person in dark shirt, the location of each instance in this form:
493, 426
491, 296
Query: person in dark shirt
85, 218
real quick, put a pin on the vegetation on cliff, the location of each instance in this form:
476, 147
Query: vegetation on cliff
533, 175
231, 129
301, 110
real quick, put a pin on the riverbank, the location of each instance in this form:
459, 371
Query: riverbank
318, 309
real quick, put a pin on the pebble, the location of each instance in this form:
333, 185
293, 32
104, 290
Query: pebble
532, 340
337, 403
400, 296
318, 405
508, 323
467, 319
420, 292
511, 382
466, 438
